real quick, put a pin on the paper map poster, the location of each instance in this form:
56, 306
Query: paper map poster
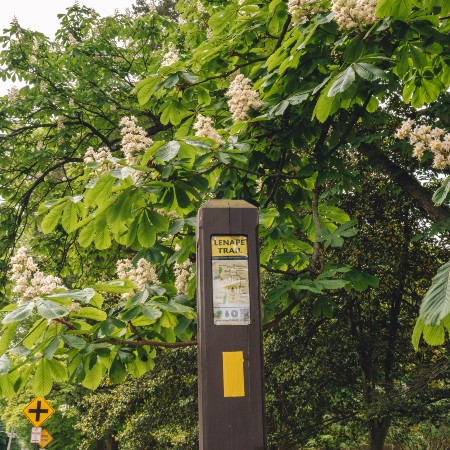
231, 300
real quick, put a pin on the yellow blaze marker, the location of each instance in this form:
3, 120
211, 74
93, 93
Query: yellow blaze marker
233, 374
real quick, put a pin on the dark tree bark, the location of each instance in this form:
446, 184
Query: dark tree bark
378, 431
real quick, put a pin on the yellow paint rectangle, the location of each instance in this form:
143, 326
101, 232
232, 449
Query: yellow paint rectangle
233, 374
229, 246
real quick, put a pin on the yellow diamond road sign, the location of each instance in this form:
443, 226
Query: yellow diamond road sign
38, 411
46, 438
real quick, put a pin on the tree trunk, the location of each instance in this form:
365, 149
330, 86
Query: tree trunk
378, 432
107, 444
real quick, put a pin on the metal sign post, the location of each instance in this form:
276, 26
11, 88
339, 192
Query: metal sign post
231, 398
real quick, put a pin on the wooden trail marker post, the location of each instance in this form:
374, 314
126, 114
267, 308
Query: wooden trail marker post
231, 397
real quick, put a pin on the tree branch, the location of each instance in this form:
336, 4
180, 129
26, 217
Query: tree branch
438, 214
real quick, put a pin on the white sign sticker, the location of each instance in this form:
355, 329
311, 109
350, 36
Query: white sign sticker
231, 300
36, 435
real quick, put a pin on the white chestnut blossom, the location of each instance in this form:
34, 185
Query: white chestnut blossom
354, 13
301, 10
134, 139
140, 274
71, 39
204, 128
43, 87
425, 138
103, 157
29, 282
13, 94
74, 307
184, 273
242, 98
201, 8
151, 6
171, 57
59, 123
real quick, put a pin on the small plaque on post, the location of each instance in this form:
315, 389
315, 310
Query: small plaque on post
231, 300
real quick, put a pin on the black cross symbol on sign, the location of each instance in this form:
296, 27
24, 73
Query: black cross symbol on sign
38, 411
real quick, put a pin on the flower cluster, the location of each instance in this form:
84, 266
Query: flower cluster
300, 10
13, 94
171, 57
103, 157
151, 7
43, 87
60, 123
204, 128
184, 273
425, 138
354, 13
29, 282
71, 39
134, 139
141, 274
242, 98
201, 8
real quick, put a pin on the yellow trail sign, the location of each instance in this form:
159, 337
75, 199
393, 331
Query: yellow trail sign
46, 438
38, 411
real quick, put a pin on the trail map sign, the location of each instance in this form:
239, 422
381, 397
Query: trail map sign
38, 411
231, 300
46, 438
231, 400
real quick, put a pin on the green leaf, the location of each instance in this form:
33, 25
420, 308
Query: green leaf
5, 364
138, 367
7, 334
74, 341
87, 234
159, 222
146, 233
115, 287
398, 9
82, 295
182, 198
436, 303
51, 348
369, 71
325, 106
342, 82
94, 376
168, 151
100, 192
21, 313
418, 329
51, 220
58, 370
168, 320
173, 111
145, 89
35, 333
434, 335
117, 372
70, 217
102, 239
92, 313
440, 196
50, 310
151, 313
42, 381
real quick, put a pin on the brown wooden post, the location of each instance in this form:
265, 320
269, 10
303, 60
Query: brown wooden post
231, 397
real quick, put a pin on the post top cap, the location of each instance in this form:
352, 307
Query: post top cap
225, 203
